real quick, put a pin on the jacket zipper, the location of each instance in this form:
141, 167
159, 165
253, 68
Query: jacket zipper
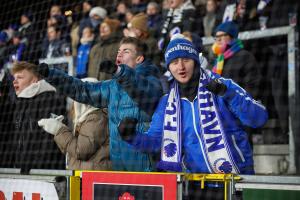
197, 134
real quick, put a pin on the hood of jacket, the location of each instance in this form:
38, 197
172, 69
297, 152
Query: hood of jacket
36, 89
81, 112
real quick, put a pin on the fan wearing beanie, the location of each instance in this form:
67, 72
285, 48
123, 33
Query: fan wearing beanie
198, 131
233, 61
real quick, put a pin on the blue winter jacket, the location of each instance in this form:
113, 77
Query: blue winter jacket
236, 109
110, 94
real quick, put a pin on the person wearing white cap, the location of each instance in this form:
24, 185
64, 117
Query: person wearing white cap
96, 16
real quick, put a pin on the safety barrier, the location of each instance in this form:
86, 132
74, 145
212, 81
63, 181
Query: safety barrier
139, 185
109, 185
37, 185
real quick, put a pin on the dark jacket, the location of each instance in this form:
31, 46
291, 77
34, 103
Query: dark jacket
6, 113
32, 147
243, 69
57, 47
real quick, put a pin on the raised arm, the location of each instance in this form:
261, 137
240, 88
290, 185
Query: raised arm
94, 94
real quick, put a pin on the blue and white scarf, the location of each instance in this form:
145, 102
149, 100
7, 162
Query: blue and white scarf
214, 146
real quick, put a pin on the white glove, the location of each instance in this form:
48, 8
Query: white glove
51, 125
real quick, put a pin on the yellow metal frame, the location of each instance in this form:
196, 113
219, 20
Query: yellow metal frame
75, 188
225, 178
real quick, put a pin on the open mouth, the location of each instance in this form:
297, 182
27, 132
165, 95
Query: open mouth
182, 74
118, 62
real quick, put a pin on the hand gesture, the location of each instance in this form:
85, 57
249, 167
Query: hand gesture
52, 125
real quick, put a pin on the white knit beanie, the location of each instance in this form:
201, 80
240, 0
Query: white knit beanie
101, 12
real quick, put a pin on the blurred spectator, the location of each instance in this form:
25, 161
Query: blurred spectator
53, 45
26, 28
154, 19
86, 43
87, 5
10, 31
245, 16
31, 147
56, 17
96, 16
30, 36
137, 27
165, 6
120, 13
129, 15
60, 22
16, 50
138, 6
85, 21
200, 7
179, 18
3, 46
87, 146
55, 10
210, 18
236, 63
105, 49
74, 30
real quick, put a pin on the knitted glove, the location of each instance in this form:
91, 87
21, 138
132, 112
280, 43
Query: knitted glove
127, 128
216, 87
43, 69
51, 125
108, 67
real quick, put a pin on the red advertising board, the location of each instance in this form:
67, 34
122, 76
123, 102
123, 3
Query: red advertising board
128, 186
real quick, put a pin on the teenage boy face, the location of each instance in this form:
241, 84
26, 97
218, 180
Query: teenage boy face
127, 55
182, 69
23, 79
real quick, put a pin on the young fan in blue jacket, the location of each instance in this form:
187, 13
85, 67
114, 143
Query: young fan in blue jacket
198, 125
132, 70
